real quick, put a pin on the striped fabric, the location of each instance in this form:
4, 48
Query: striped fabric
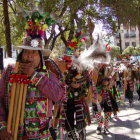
131, 85
80, 121
106, 97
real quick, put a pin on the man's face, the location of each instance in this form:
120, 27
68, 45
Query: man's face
31, 56
105, 82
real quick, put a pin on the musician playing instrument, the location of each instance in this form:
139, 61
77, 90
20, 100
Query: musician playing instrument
43, 90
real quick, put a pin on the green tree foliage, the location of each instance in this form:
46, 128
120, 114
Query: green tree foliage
128, 51
137, 51
72, 16
117, 12
2, 38
124, 10
115, 51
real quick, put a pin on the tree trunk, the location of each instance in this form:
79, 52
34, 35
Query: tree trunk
71, 33
7, 28
91, 27
139, 31
64, 40
120, 39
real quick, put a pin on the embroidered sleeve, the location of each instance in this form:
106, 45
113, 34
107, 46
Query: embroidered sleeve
2, 125
2, 104
36, 78
48, 85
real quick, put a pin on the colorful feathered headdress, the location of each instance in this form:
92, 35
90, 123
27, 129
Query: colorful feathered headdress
36, 25
74, 46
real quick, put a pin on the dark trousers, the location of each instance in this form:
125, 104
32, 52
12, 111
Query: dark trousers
138, 91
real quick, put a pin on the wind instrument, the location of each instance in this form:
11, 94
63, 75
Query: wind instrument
17, 102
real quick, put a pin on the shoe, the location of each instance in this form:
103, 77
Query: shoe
72, 135
116, 118
106, 131
81, 135
98, 131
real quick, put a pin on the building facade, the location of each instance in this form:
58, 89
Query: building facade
129, 36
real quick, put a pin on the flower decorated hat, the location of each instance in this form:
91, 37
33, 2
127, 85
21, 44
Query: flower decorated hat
36, 25
74, 47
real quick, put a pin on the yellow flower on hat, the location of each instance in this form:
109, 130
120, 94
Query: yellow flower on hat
38, 23
73, 79
45, 27
26, 26
71, 48
74, 40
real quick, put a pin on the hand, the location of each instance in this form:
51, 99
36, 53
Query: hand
26, 68
75, 85
4, 135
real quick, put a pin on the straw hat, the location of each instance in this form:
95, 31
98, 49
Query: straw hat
34, 44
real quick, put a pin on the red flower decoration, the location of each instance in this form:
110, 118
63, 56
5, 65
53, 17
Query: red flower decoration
18, 78
11, 80
109, 48
12, 76
28, 81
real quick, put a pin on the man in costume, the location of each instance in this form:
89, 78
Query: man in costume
96, 58
102, 104
76, 112
43, 88
130, 85
138, 81
115, 92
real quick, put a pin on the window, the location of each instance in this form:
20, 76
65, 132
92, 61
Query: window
132, 33
126, 35
126, 44
117, 35
134, 44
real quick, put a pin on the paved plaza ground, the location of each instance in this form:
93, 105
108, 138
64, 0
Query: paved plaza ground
127, 127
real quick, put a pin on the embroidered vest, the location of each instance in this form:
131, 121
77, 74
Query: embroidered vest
36, 123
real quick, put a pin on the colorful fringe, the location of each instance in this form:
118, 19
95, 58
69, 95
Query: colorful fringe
78, 107
117, 94
105, 96
107, 117
2, 125
101, 120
